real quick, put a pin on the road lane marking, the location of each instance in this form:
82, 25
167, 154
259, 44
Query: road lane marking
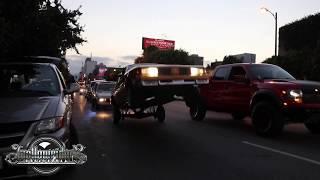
282, 152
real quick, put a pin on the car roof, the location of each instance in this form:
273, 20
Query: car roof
27, 63
142, 65
31, 60
244, 65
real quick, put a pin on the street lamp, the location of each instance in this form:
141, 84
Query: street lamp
275, 15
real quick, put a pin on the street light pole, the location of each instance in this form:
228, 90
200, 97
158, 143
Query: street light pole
275, 15
276, 36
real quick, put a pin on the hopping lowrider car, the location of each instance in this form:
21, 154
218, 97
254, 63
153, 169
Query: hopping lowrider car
143, 89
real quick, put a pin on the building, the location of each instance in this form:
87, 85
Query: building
196, 59
246, 57
89, 66
302, 35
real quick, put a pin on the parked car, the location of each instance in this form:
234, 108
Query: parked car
266, 93
102, 94
145, 88
34, 101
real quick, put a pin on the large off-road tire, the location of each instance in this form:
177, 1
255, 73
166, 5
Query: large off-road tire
267, 119
197, 111
313, 127
160, 114
116, 114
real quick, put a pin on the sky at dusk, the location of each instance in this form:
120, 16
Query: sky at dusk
210, 28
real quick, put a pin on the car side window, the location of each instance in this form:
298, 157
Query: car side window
237, 72
61, 79
221, 74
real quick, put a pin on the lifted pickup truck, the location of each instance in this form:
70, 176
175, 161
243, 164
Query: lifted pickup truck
267, 93
144, 88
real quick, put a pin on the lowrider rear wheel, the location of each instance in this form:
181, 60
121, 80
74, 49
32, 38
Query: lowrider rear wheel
160, 114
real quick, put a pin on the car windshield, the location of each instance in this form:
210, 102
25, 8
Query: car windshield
28, 80
105, 87
269, 72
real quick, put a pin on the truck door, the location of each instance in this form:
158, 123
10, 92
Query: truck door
239, 89
216, 88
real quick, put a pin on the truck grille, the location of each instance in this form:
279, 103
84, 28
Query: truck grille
12, 133
168, 71
310, 96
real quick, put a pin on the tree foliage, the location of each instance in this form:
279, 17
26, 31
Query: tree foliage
38, 27
299, 48
301, 35
154, 55
301, 64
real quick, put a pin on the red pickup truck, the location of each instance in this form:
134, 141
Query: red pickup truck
266, 93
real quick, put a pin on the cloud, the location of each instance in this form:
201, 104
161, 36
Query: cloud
76, 61
131, 58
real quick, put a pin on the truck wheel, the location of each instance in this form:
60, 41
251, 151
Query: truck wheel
238, 116
267, 119
160, 114
197, 111
116, 114
313, 127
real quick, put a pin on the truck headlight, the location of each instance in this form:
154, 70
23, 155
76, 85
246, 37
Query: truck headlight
196, 71
150, 72
296, 95
102, 100
49, 125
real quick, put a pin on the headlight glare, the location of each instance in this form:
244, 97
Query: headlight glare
196, 71
102, 99
150, 72
296, 93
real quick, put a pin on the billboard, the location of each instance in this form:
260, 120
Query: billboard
162, 44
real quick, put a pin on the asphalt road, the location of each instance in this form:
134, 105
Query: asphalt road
217, 148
